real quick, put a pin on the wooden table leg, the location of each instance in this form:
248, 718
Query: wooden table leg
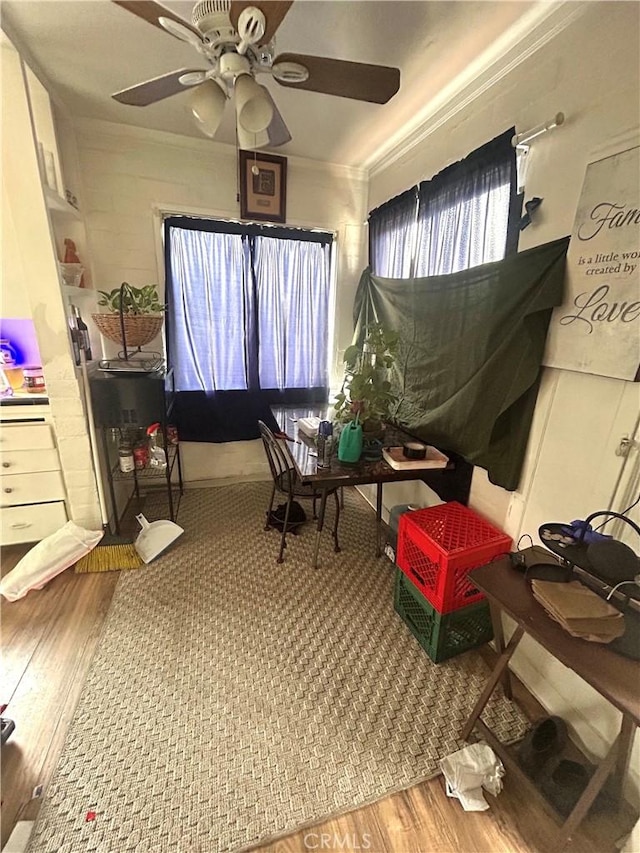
494, 678
627, 731
378, 518
323, 504
498, 636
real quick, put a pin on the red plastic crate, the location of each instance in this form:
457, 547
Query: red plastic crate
439, 545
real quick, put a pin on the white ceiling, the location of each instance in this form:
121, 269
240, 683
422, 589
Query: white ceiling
89, 49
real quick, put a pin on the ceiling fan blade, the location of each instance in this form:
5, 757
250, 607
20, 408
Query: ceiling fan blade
154, 90
273, 11
374, 83
152, 12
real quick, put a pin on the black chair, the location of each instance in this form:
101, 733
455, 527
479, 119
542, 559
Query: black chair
287, 482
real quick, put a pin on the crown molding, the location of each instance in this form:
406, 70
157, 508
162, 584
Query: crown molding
91, 129
533, 31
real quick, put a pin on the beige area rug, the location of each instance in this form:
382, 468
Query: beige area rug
232, 699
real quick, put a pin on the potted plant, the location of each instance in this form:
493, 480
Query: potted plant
134, 314
366, 390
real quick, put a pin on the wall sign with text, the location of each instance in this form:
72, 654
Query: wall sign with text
597, 328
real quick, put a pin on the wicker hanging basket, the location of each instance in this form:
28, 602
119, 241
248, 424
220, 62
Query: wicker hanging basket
139, 329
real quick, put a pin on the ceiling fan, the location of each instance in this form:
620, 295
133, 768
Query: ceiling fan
235, 38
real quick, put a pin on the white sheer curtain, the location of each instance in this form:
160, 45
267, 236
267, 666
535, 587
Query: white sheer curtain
292, 288
456, 233
210, 307
247, 312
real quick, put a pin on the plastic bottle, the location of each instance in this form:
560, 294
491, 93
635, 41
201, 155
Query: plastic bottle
141, 454
157, 454
75, 337
82, 335
125, 458
325, 444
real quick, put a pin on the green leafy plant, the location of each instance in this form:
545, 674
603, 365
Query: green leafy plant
366, 390
134, 300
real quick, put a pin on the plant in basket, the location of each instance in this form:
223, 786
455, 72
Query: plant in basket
134, 315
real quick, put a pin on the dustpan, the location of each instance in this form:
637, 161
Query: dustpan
155, 537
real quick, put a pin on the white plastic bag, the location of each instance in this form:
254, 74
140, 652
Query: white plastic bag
48, 558
468, 771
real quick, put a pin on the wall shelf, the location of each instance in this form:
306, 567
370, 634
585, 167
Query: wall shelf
75, 292
59, 205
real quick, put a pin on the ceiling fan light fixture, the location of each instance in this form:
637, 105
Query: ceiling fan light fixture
290, 72
248, 141
207, 105
232, 65
275, 135
254, 108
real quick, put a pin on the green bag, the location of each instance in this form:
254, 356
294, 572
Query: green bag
350, 446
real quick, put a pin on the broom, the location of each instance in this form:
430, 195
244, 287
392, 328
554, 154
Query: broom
112, 552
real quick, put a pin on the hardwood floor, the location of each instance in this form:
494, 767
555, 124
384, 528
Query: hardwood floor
48, 640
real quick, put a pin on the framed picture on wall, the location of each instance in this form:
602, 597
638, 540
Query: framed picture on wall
263, 186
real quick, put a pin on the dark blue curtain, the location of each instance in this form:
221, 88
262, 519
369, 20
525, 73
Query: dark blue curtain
466, 215
392, 236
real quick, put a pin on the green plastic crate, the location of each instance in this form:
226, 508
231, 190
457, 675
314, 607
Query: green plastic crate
441, 635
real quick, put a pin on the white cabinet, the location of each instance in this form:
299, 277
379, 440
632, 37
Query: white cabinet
32, 490
33, 233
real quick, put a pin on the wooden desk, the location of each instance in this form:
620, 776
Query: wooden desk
615, 677
450, 484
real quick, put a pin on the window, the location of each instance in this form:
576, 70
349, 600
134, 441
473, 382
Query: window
464, 216
247, 310
248, 314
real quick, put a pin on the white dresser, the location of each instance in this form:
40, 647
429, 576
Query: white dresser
32, 494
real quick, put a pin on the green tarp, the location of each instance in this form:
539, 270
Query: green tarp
469, 364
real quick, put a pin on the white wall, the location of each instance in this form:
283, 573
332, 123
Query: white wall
128, 175
590, 71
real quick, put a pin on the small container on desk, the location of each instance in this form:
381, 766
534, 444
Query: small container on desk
325, 444
439, 545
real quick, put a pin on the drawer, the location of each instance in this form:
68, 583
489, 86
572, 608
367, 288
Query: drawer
31, 523
28, 461
26, 437
31, 488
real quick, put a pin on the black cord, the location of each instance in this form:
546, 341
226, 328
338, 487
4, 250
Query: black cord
524, 536
624, 512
